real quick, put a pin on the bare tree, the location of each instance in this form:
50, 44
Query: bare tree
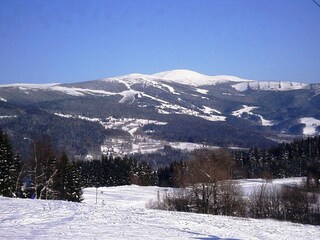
230, 199
203, 173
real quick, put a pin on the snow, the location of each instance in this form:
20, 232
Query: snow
265, 122
154, 98
209, 110
8, 116
80, 91
66, 90
248, 110
146, 80
29, 85
269, 86
129, 124
244, 109
180, 76
64, 115
188, 77
190, 146
121, 213
161, 111
3, 100
249, 185
168, 108
214, 118
128, 96
161, 80
175, 109
311, 125
90, 119
133, 78
171, 89
202, 91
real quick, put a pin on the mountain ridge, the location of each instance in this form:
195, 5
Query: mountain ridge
182, 76
223, 111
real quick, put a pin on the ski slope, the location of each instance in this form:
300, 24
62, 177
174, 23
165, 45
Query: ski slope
121, 213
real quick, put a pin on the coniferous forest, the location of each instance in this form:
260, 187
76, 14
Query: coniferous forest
45, 176
301, 158
49, 174
295, 159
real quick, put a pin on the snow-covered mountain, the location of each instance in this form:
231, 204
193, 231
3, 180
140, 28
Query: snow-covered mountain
192, 107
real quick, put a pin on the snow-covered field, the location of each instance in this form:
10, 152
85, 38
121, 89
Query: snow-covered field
121, 213
311, 125
248, 110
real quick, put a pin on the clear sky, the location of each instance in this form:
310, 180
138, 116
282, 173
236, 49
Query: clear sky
70, 41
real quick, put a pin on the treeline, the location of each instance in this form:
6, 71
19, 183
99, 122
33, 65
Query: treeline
48, 175
295, 159
293, 204
115, 171
45, 176
204, 179
198, 130
204, 185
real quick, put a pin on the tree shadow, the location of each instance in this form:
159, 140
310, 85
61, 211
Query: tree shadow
211, 237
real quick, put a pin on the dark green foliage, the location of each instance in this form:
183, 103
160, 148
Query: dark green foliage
192, 129
9, 167
75, 136
162, 157
295, 159
72, 184
61, 175
115, 171
47, 177
67, 182
171, 176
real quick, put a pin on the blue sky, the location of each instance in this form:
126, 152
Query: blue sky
70, 41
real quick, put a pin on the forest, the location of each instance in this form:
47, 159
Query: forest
203, 179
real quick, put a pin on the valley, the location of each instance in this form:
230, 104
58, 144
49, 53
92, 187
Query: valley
175, 108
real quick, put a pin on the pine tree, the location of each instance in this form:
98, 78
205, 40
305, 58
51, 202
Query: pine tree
8, 167
72, 184
146, 176
18, 173
61, 176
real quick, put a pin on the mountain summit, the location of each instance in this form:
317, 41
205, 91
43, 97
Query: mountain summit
180, 108
194, 78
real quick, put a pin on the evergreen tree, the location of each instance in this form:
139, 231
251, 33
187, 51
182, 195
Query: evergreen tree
299, 158
18, 176
50, 189
147, 177
61, 177
72, 184
8, 167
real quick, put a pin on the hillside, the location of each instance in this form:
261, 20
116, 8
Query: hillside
147, 112
121, 214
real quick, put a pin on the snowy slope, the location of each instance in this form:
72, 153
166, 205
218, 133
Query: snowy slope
188, 77
29, 85
211, 102
269, 86
311, 125
181, 76
248, 110
121, 214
